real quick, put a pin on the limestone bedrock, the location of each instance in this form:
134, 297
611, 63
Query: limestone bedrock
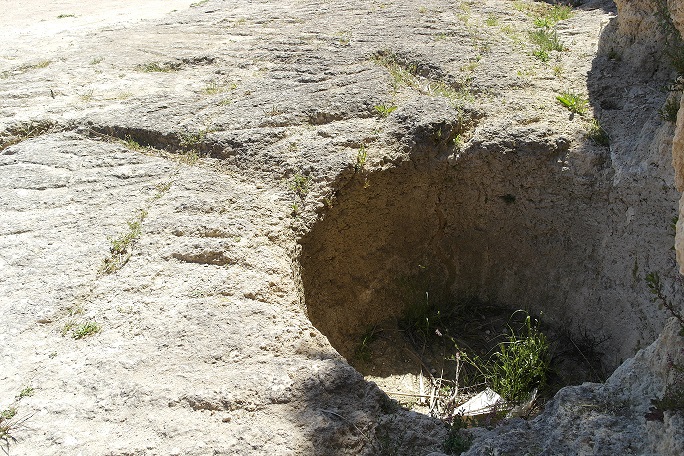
265, 173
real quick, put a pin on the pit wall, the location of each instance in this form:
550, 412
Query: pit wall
537, 221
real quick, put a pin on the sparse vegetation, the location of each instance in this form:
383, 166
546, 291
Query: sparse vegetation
519, 366
300, 184
24, 132
552, 16
213, 88
458, 440
385, 110
361, 157
670, 109
62, 16
674, 44
597, 134
655, 286
122, 246
86, 329
26, 391
408, 75
575, 103
25, 68
363, 351
545, 41
10, 421
157, 67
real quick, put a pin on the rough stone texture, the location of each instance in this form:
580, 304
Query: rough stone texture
677, 10
206, 346
678, 164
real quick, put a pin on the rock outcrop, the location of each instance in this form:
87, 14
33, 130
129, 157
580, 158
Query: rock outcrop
201, 212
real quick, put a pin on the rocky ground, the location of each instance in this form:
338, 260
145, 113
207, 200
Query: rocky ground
204, 204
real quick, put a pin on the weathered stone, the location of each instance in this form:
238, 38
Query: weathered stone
280, 187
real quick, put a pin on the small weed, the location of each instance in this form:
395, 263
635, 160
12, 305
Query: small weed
162, 188
385, 110
670, 109
294, 209
26, 392
200, 3
558, 71
655, 286
25, 132
75, 309
9, 423
213, 88
402, 75
96, 60
574, 102
88, 96
86, 329
156, 67
458, 142
122, 246
597, 134
545, 40
361, 157
62, 16
388, 441
300, 184
673, 399
458, 439
552, 16
492, 21
520, 365
68, 326
132, 144
189, 157
363, 351
344, 38
192, 140
8, 413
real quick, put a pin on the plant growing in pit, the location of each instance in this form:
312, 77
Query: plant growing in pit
363, 351
458, 439
520, 365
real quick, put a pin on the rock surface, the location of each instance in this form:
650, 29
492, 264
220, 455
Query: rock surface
251, 157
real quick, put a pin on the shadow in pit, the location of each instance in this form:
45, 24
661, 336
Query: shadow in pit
343, 414
482, 235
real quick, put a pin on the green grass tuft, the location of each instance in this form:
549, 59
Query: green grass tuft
574, 102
